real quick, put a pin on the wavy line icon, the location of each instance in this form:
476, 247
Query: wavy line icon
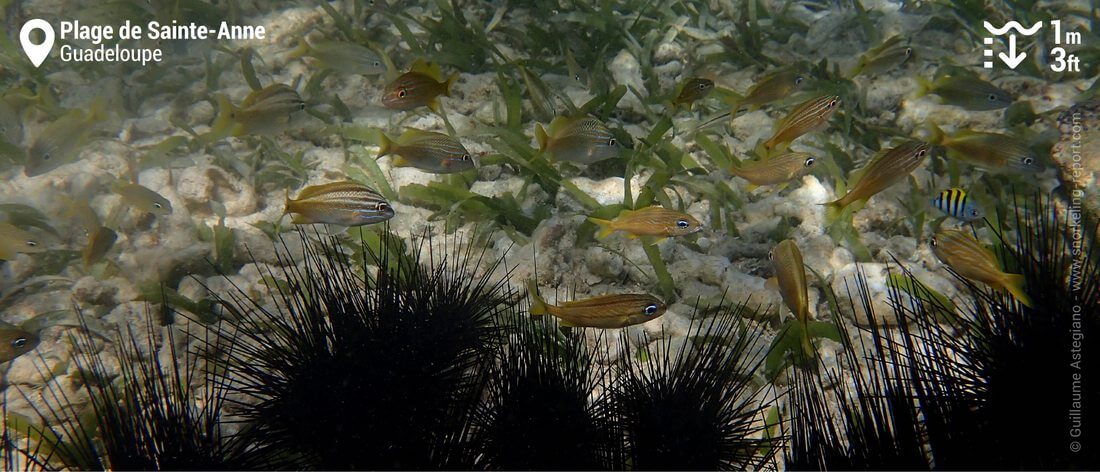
1013, 25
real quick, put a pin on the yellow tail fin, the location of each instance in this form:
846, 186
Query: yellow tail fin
287, 202
538, 305
540, 136
301, 50
223, 124
385, 145
833, 209
923, 86
1014, 284
605, 227
449, 83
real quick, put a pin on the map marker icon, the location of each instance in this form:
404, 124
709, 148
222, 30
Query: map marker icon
36, 52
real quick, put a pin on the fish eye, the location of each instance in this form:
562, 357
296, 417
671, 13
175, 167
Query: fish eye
974, 212
932, 241
682, 223
465, 157
382, 206
992, 97
832, 104
650, 309
908, 51
19, 342
46, 156
810, 162
771, 255
1028, 161
703, 86
612, 142
798, 79
401, 92
921, 153
31, 243
157, 205
377, 64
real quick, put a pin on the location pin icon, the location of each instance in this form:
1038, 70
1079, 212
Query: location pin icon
36, 52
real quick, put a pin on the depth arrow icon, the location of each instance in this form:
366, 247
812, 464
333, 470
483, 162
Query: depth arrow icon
1011, 59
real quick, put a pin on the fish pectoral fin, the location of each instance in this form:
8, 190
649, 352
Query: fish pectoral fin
300, 219
433, 105
400, 161
566, 323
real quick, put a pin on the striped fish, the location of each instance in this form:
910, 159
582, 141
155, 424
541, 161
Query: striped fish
883, 171
968, 258
420, 86
790, 278
605, 312
773, 87
343, 203
956, 203
812, 115
429, 151
581, 139
264, 111
776, 170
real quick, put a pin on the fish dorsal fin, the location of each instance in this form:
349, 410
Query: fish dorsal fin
558, 124
429, 69
411, 135
311, 191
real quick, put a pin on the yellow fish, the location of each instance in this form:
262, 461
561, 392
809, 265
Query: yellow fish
421, 86
888, 55
604, 312
776, 170
885, 170
142, 198
15, 342
964, 89
773, 87
790, 278
61, 141
649, 221
100, 241
993, 152
14, 240
968, 258
343, 203
427, 150
693, 89
264, 111
348, 58
582, 139
809, 116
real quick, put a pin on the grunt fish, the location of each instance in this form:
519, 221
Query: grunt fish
649, 221
811, 115
966, 91
968, 258
344, 203
790, 278
142, 198
956, 203
420, 86
884, 170
581, 139
992, 152
772, 87
61, 141
604, 312
888, 55
347, 58
100, 241
15, 342
693, 89
776, 170
15, 240
426, 150
264, 111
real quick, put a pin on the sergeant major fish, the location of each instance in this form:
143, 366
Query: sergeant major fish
344, 203
604, 312
427, 150
956, 203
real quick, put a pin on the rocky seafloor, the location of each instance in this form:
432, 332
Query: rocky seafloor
711, 267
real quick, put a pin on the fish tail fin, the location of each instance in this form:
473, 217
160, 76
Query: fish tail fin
541, 137
301, 50
605, 227
385, 145
923, 86
935, 133
449, 83
222, 125
833, 209
538, 305
287, 202
764, 149
1014, 284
